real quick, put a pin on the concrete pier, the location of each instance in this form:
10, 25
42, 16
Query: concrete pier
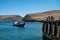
51, 29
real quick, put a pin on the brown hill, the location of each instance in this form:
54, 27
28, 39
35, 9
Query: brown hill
42, 15
10, 18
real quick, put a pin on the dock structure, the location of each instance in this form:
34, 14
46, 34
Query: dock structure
51, 29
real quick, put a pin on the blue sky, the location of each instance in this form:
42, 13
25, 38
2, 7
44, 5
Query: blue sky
23, 7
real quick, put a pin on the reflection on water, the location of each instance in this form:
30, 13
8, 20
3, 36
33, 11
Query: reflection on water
31, 31
45, 38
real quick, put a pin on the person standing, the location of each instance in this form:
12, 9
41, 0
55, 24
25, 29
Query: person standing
52, 18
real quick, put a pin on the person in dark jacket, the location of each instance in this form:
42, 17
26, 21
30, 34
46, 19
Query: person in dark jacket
48, 18
52, 18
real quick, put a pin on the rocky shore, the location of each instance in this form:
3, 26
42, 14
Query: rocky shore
10, 18
42, 16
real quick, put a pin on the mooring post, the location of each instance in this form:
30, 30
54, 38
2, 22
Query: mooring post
48, 27
52, 28
55, 29
44, 27
57, 34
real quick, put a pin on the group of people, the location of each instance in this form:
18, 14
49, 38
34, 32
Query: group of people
50, 18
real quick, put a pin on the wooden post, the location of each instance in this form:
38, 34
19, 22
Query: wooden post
57, 34
52, 28
59, 31
56, 30
44, 27
51, 31
48, 30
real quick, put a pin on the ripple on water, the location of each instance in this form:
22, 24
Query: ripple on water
31, 31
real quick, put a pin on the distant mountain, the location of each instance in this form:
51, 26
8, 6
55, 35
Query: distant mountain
42, 15
10, 18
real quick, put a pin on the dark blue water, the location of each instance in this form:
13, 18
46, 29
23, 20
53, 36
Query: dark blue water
31, 31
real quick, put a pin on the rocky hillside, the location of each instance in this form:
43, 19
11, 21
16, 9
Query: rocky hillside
42, 15
10, 18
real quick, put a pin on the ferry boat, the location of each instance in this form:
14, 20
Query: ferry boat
20, 24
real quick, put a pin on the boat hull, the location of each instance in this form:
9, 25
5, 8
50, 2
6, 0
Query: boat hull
19, 25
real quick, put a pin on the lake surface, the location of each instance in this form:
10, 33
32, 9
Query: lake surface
31, 31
